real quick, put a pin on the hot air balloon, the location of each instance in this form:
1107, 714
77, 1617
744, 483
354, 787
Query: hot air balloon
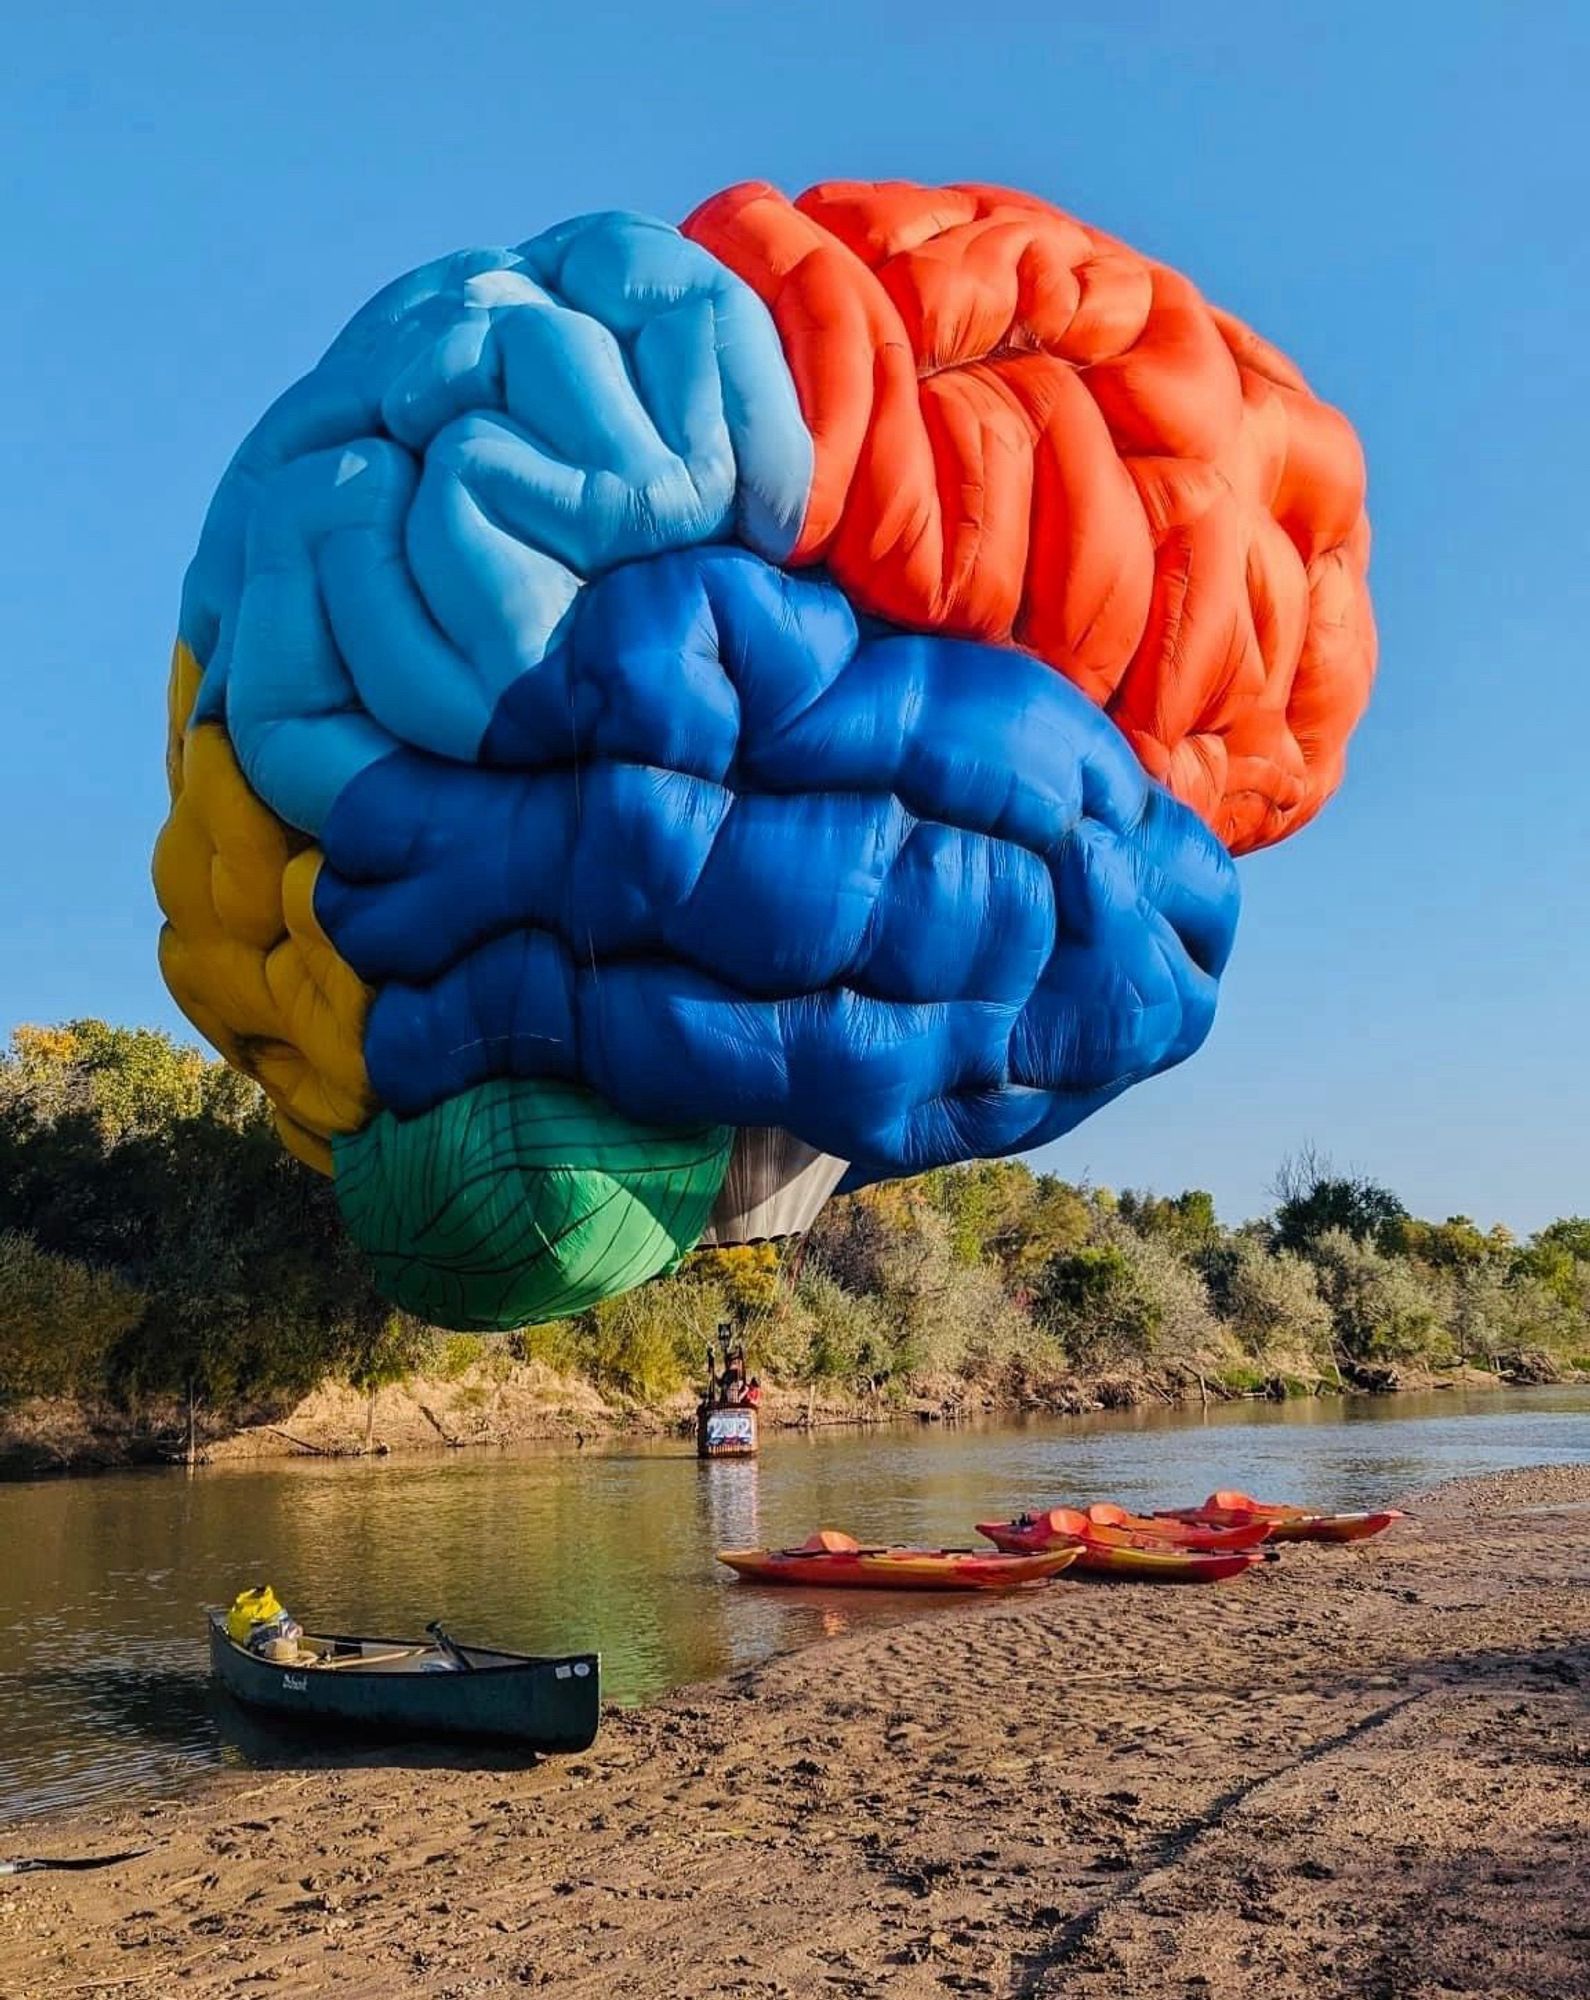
670, 723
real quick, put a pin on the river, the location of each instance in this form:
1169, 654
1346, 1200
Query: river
103, 1581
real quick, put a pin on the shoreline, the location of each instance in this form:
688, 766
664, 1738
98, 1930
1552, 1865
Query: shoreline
487, 1407
1360, 1771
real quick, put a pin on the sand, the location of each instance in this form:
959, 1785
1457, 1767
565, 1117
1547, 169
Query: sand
1361, 1771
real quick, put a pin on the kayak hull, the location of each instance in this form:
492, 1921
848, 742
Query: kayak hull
1288, 1524
1142, 1565
1169, 1566
1333, 1527
898, 1569
1191, 1535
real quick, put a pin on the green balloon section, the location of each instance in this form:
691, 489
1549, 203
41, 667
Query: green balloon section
521, 1201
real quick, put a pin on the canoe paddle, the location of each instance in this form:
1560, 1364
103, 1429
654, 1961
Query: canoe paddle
450, 1648
35, 1863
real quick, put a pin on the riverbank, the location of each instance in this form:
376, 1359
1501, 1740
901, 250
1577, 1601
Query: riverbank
500, 1402
1360, 1771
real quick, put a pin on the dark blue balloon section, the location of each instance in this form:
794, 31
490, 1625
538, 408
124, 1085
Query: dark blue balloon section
728, 856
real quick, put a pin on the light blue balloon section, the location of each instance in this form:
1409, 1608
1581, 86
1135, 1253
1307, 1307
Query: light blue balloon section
400, 540
729, 856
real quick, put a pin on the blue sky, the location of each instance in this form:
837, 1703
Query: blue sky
1395, 194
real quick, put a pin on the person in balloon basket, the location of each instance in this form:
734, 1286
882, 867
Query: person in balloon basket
727, 1387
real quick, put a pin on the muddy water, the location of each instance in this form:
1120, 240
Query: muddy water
103, 1581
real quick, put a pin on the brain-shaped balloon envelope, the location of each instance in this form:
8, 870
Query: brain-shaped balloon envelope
669, 723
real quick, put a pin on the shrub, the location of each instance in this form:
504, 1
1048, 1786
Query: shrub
1382, 1310
649, 1343
456, 1353
846, 1343
1270, 1299
59, 1320
556, 1345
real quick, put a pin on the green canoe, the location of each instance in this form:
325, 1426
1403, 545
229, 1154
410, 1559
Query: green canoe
420, 1687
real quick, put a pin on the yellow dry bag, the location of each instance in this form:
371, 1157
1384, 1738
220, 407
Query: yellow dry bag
251, 1608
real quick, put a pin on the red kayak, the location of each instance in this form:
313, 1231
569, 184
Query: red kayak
1180, 1534
1106, 1550
1228, 1509
839, 1562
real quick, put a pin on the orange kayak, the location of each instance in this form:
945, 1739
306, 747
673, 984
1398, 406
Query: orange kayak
838, 1562
1181, 1534
1105, 1550
1285, 1523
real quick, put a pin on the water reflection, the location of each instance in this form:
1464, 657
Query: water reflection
104, 1582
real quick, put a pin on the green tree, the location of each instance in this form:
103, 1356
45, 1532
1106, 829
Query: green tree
1270, 1299
384, 1355
846, 1343
1381, 1309
1558, 1257
648, 1343
1125, 1299
1187, 1222
59, 1321
1454, 1245
1314, 1201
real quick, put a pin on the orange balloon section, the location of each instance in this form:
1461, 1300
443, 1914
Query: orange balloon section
1028, 433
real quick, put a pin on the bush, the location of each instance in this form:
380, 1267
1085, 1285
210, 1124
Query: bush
649, 1343
59, 1321
1381, 1308
556, 1345
456, 1353
398, 1349
1270, 1299
845, 1339
1241, 1378
1125, 1299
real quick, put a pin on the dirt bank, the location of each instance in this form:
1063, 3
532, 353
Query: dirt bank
503, 1402
1363, 1771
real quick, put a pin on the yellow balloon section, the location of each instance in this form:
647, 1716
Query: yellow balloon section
241, 949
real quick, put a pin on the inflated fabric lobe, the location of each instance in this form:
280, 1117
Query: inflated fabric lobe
1027, 432
402, 534
241, 949
909, 899
516, 1202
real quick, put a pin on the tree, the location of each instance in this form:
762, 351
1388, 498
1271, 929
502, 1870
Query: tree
140, 1160
1088, 1300
1558, 1257
389, 1353
1269, 1298
1187, 1221
746, 1273
127, 1081
58, 1321
1312, 1200
649, 1342
1454, 1245
845, 1338
1380, 1309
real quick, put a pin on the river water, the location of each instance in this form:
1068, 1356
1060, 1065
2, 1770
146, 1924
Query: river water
103, 1581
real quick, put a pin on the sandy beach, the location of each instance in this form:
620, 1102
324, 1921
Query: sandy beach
1361, 1771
